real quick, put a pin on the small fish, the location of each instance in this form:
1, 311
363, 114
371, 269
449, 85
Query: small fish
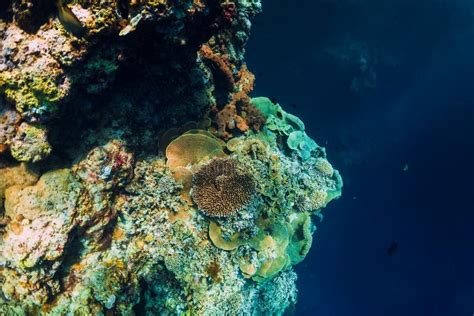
392, 248
405, 167
292, 105
69, 20
132, 25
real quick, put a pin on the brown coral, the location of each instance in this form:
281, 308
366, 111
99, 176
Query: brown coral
191, 148
220, 62
240, 113
220, 190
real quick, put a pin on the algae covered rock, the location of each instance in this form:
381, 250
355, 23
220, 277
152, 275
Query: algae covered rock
137, 175
30, 143
41, 218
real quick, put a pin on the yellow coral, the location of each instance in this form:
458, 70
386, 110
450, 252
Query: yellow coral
215, 234
191, 149
319, 199
278, 245
325, 167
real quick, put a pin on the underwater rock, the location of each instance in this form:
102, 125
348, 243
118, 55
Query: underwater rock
30, 143
150, 182
9, 122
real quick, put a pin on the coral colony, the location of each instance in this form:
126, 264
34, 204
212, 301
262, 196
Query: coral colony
137, 175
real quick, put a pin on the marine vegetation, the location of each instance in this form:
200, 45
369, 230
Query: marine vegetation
137, 174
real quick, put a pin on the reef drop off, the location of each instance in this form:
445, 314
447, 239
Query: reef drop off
137, 175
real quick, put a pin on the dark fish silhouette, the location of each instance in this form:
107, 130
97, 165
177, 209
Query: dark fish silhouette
292, 105
392, 248
69, 20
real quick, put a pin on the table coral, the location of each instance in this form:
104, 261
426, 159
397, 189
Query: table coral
137, 175
220, 190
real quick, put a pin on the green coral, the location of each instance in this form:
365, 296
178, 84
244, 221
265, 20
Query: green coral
288, 125
301, 231
289, 194
277, 119
302, 143
278, 245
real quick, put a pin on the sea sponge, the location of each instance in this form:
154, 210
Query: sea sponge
220, 190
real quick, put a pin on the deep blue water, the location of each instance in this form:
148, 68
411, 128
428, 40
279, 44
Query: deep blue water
382, 84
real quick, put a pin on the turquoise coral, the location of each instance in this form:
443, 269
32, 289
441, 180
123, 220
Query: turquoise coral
288, 125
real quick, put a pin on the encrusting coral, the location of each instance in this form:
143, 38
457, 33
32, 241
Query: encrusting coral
137, 175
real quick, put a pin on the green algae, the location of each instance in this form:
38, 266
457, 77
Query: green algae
33, 95
30, 143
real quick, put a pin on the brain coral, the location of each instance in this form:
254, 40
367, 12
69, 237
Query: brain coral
220, 190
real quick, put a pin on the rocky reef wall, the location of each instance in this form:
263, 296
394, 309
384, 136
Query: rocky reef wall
137, 175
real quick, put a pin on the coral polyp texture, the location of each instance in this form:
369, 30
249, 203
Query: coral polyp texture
220, 190
137, 174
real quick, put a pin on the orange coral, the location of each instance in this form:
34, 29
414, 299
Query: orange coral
240, 113
220, 62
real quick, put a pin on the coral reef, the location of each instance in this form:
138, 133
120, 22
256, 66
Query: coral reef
137, 175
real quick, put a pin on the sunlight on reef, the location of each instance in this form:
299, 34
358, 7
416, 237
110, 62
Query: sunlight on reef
137, 175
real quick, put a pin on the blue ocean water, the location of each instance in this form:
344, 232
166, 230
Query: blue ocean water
387, 87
